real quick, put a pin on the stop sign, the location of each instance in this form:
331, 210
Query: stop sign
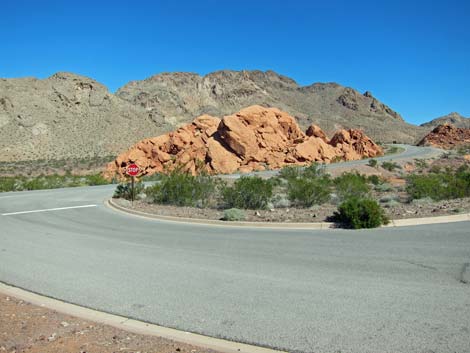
132, 169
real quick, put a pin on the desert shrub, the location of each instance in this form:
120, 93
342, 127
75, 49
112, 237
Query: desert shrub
95, 179
390, 166
359, 213
7, 184
306, 192
421, 164
234, 214
314, 170
388, 198
248, 193
183, 189
443, 185
290, 172
423, 201
351, 185
124, 190
372, 163
280, 201
374, 179
53, 181
391, 203
308, 186
463, 150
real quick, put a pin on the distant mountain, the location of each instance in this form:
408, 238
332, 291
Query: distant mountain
64, 116
71, 116
176, 98
453, 118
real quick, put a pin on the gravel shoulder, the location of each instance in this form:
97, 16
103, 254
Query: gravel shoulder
33, 329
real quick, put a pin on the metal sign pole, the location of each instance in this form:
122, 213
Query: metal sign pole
132, 191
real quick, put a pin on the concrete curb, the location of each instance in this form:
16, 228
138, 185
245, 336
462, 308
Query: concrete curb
130, 325
320, 225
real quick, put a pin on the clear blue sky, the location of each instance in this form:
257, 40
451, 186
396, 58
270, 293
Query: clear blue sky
412, 55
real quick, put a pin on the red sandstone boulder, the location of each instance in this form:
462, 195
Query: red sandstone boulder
446, 136
252, 139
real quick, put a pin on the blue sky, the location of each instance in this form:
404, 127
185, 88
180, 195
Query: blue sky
412, 55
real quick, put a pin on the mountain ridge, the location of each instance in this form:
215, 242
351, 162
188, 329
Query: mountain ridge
68, 115
453, 118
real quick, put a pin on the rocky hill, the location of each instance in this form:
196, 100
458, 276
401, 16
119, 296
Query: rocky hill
447, 136
256, 138
176, 98
454, 119
65, 116
71, 116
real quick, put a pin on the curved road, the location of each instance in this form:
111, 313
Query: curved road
409, 154
385, 290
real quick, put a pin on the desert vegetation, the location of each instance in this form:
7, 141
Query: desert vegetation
21, 183
299, 188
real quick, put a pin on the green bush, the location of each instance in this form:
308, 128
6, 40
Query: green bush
390, 166
442, 185
372, 163
124, 190
384, 187
183, 189
7, 184
314, 170
290, 172
307, 186
359, 213
351, 185
95, 179
374, 179
248, 193
234, 214
53, 181
306, 192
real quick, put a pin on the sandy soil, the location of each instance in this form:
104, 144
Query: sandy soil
32, 329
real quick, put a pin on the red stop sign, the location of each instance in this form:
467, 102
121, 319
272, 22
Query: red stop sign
132, 169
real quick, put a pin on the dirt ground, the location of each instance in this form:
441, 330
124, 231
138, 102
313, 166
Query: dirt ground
33, 329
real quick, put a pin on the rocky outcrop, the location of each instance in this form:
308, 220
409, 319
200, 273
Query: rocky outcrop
446, 136
453, 118
255, 138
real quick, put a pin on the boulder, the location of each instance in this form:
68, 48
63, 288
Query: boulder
253, 139
446, 136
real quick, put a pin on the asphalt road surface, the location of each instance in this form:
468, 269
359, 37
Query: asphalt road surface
386, 290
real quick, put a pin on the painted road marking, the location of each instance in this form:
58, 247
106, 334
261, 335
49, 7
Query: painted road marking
47, 210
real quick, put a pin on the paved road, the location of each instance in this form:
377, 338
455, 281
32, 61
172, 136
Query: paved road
386, 290
409, 154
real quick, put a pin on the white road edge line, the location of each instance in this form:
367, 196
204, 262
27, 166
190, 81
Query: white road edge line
47, 210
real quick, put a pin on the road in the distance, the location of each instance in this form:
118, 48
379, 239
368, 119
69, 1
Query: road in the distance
408, 154
384, 290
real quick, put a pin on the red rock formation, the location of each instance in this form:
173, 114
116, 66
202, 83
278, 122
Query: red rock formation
253, 139
446, 136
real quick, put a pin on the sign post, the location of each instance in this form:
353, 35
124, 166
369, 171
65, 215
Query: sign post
132, 170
